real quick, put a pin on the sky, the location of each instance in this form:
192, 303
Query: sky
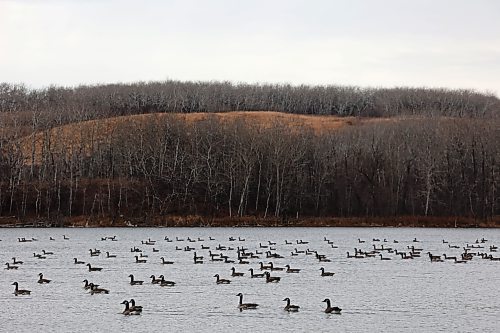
369, 43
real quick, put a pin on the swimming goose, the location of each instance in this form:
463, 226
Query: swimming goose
41, 280
360, 241
94, 253
87, 284
197, 259
18, 291
77, 262
39, 256
155, 250
330, 309
135, 282
246, 306
270, 278
290, 308
110, 255
93, 269
140, 261
134, 307
65, 238
52, 239
47, 253
258, 275
449, 258
221, 281
10, 267
383, 258
16, 262
323, 273
95, 290
154, 280
275, 268
166, 283
128, 311
211, 238
264, 267
166, 262
460, 261
291, 270
234, 273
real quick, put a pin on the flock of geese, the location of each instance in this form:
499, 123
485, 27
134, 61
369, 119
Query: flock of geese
262, 254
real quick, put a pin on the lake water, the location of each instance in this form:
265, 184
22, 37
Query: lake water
375, 295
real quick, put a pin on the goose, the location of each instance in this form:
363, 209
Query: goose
264, 267
163, 262
234, 273
39, 256
294, 254
241, 239
94, 269
47, 253
460, 261
211, 238
134, 307
330, 309
18, 291
154, 280
16, 262
323, 273
246, 306
93, 253
87, 284
449, 258
155, 250
258, 275
143, 255
41, 280
179, 239
52, 239
110, 255
203, 247
77, 262
270, 279
360, 241
135, 282
383, 258
290, 308
299, 251
65, 238
197, 259
95, 290
291, 270
166, 283
221, 281
128, 311
140, 261
275, 268
287, 242
10, 267
445, 242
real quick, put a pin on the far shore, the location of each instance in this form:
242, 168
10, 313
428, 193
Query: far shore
251, 221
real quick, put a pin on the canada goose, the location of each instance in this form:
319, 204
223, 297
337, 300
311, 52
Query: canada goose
110, 255
275, 268
166, 262
290, 308
128, 311
294, 254
95, 290
18, 291
10, 267
291, 270
65, 238
449, 258
94, 253
154, 280
39, 256
264, 267
41, 280
460, 261
270, 279
221, 281
77, 262
134, 307
258, 275
179, 239
47, 253
360, 241
287, 242
140, 261
434, 258
323, 273
211, 238
383, 258
87, 284
135, 282
93, 269
16, 262
197, 259
241, 239
155, 250
330, 309
234, 273
166, 283
52, 239
246, 306
203, 247
445, 242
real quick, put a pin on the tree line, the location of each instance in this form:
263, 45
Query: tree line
165, 166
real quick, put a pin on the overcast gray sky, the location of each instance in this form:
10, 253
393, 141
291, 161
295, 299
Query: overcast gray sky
434, 43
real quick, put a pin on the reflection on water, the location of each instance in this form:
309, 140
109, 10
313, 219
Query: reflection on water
394, 295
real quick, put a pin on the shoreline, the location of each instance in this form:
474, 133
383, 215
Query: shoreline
192, 221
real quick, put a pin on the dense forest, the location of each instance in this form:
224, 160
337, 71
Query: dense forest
432, 152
